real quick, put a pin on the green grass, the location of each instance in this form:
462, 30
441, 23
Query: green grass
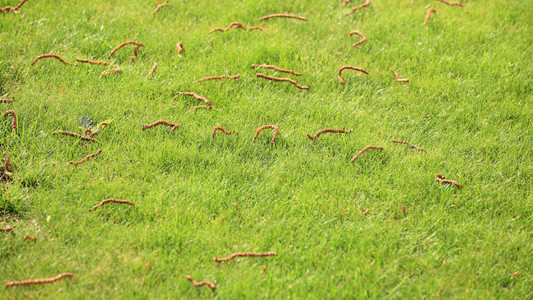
469, 103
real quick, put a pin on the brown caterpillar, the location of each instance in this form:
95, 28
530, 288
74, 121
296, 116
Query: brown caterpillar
72, 134
14, 9
245, 254
87, 131
256, 28
7, 100
277, 69
452, 3
134, 56
367, 3
38, 281
216, 29
345, 2
151, 73
111, 200
159, 7
203, 107
364, 150
221, 129
398, 78
102, 63
198, 284
282, 79
6, 229
14, 121
99, 128
6, 163
238, 25
282, 16
85, 158
276, 132
359, 33
195, 96
219, 77
174, 126
53, 56
179, 46
328, 130
429, 15
406, 143
124, 44
350, 68
113, 71
443, 180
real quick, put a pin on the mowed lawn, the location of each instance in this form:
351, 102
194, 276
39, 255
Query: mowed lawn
381, 227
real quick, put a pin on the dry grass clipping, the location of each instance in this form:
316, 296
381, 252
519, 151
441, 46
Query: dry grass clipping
276, 132
364, 150
411, 146
367, 3
38, 281
219, 77
452, 3
221, 129
160, 6
443, 180
53, 56
111, 200
429, 15
350, 68
137, 44
359, 33
195, 96
282, 79
72, 134
151, 73
283, 16
85, 158
14, 121
243, 254
277, 69
398, 77
174, 126
198, 284
14, 9
311, 137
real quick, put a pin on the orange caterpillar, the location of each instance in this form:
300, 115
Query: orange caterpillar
367, 3
406, 143
359, 33
238, 25
277, 69
198, 284
137, 44
85, 158
245, 254
6, 229
179, 46
39, 281
219, 77
174, 126
14, 9
398, 77
328, 130
159, 7
364, 150
111, 200
7, 100
276, 132
53, 56
350, 68
151, 73
195, 96
221, 129
452, 3
282, 79
429, 15
443, 180
282, 16
14, 121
